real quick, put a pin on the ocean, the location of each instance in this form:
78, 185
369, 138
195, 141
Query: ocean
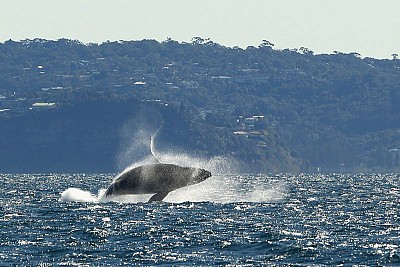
227, 220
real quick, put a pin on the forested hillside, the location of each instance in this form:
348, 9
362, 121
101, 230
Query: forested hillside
272, 110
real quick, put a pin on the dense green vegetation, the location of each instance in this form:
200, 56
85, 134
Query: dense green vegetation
335, 112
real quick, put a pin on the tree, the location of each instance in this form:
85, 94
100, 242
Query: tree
305, 51
266, 44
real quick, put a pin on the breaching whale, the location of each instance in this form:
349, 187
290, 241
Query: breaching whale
158, 179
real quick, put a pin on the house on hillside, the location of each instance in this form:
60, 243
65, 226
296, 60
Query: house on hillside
43, 105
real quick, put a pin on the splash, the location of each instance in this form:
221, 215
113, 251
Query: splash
77, 195
138, 136
135, 149
224, 186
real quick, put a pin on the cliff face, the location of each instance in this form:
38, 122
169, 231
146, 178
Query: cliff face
79, 138
106, 136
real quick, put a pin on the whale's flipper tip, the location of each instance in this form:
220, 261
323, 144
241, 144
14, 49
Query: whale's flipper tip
152, 145
158, 197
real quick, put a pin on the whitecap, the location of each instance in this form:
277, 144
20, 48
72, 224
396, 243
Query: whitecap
77, 195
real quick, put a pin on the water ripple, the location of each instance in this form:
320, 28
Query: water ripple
242, 220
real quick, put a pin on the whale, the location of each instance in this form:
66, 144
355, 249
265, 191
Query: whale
158, 179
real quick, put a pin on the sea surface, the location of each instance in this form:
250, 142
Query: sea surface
230, 219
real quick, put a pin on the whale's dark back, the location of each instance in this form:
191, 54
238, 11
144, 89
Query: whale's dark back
156, 178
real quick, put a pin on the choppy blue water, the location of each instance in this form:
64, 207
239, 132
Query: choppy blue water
227, 220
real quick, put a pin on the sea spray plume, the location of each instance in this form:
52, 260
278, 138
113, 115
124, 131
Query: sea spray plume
134, 146
233, 188
227, 186
134, 137
141, 138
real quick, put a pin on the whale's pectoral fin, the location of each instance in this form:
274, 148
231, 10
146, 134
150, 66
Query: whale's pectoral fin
158, 197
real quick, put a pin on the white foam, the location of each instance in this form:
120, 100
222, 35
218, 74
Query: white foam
140, 198
78, 195
229, 189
